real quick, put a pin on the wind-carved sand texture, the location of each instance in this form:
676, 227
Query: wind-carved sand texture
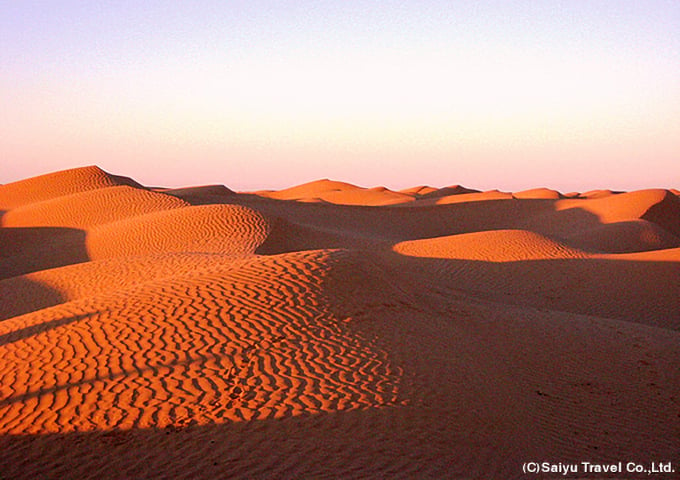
329, 330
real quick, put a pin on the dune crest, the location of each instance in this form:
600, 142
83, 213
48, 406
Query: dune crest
538, 193
491, 246
341, 193
84, 209
57, 184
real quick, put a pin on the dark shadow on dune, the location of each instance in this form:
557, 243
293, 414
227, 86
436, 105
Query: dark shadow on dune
374, 443
390, 224
25, 250
204, 195
21, 295
354, 444
666, 214
643, 292
29, 249
27, 332
303, 226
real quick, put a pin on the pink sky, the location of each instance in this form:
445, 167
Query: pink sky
510, 95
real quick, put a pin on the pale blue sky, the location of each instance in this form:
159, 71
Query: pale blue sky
570, 95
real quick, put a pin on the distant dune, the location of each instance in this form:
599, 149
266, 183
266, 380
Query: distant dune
333, 331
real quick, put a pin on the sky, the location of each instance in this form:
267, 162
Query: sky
572, 94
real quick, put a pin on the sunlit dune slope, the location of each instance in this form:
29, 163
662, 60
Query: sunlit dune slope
311, 189
45, 288
57, 184
229, 229
341, 193
592, 194
492, 246
255, 340
90, 208
538, 193
659, 206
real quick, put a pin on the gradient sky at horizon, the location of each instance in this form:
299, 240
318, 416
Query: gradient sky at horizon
571, 95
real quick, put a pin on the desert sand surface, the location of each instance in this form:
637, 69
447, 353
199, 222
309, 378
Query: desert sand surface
333, 331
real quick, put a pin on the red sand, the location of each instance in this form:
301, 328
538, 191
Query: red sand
325, 331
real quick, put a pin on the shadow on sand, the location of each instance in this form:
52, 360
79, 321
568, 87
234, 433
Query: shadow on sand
30, 249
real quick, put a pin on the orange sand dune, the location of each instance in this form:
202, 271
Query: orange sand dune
473, 197
538, 193
425, 192
592, 194
491, 246
227, 229
250, 342
311, 189
57, 184
370, 197
524, 268
48, 287
84, 210
419, 190
632, 205
635, 221
440, 333
341, 193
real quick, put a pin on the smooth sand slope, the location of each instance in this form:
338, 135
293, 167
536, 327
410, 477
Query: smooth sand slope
333, 331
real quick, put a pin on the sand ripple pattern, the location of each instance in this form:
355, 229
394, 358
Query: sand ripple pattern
57, 184
35, 291
93, 207
231, 229
490, 246
254, 340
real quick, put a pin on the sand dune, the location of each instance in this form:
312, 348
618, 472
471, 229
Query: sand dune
84, 210
634, 221
333, 331
253, 341
491, 246
57, 184
592, 194
538, 193
205, 194
341, 193
473, 197
420, 190
45, 288
208, 229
